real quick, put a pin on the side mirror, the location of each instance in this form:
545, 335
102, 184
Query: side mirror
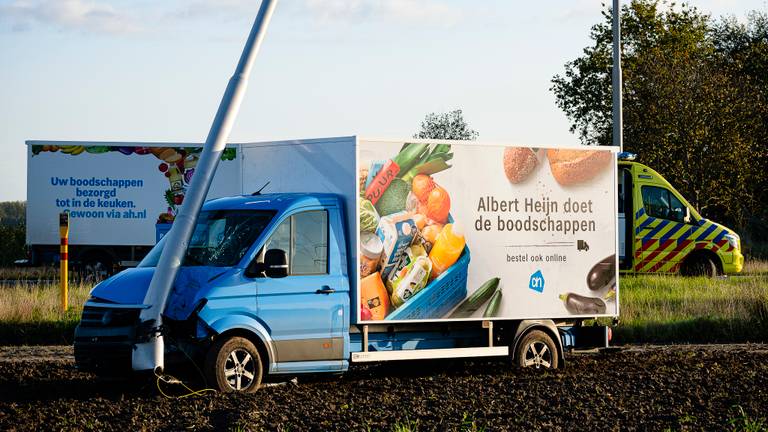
275, 265
687, 217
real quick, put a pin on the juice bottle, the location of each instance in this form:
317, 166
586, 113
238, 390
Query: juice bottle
447, 248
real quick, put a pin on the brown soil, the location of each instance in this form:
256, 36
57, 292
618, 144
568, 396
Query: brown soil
638, 388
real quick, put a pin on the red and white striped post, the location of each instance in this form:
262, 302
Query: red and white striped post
64, 258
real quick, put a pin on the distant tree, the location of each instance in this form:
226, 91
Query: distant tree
12, 232
743, 47
447, 126
12, 212
691, 115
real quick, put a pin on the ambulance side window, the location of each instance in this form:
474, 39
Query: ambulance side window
661, 203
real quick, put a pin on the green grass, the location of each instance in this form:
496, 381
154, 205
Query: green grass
29, 273
654, 309
755, 267
743, 422
664, 309
31, 313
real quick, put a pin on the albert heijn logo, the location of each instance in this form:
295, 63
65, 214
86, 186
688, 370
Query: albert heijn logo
537, 282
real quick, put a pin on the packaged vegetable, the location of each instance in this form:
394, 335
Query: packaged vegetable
369, 218
410, 280
409, 256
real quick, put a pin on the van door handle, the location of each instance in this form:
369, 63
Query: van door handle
325, 290
649, 227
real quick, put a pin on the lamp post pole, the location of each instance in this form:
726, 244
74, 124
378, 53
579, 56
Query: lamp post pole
618, 120
150, 347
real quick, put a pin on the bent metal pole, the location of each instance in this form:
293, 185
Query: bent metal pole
148, 354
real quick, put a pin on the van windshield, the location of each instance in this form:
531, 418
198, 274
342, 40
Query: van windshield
221, 238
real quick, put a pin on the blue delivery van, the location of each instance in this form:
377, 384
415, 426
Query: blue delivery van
375, 250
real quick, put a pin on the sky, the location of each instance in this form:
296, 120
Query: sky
143, 70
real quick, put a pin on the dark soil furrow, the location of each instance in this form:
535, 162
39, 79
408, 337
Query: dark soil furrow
658, 388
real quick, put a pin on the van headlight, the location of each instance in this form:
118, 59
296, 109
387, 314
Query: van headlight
733, 240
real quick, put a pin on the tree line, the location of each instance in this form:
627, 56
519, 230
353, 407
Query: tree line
12, 232
695, 104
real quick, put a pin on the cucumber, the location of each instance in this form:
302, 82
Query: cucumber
493, 305
477, 299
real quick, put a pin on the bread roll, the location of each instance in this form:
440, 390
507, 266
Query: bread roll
519, 163
577, 166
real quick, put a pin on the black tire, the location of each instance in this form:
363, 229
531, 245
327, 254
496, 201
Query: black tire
537, 350
700, 265
233, 364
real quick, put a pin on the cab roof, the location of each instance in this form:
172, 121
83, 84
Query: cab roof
278, 202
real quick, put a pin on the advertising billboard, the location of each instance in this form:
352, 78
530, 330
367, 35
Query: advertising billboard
464, 231
122, 194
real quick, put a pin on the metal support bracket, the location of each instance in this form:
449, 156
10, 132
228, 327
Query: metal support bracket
489, 325
365, 338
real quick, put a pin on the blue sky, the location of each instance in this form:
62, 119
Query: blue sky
146, 70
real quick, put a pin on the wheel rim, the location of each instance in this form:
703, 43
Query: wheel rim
239, 369
538, 355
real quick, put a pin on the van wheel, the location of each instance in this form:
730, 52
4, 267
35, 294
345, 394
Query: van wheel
233, 365
536, 350
700, 265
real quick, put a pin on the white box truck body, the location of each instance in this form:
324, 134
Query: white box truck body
370, 250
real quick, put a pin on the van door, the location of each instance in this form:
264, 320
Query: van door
660, 229
304, 310
625, 219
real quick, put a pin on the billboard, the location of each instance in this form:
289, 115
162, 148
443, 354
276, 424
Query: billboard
464, 231
115, 194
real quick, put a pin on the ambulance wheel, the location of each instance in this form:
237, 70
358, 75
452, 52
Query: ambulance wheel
233, 364
536, 350
699, 265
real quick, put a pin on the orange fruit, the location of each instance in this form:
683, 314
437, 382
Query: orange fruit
438, 205
421, 186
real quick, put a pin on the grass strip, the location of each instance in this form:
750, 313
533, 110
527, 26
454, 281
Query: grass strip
30, 314
673, 309
654, 309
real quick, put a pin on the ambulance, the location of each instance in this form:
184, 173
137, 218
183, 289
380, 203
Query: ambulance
661, 232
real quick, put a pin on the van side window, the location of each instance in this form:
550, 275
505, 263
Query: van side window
309, 252
304, 237
661, 203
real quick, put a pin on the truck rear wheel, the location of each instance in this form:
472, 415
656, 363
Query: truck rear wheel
233, 364
537, 350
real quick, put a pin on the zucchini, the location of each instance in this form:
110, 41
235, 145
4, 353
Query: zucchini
493, 306
476, 300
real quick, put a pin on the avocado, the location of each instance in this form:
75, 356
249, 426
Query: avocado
393, 199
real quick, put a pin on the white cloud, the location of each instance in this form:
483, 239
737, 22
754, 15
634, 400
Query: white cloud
83, 15
433, 12
208, 8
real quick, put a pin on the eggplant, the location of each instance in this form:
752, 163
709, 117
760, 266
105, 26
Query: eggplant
602, 274
581, 305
